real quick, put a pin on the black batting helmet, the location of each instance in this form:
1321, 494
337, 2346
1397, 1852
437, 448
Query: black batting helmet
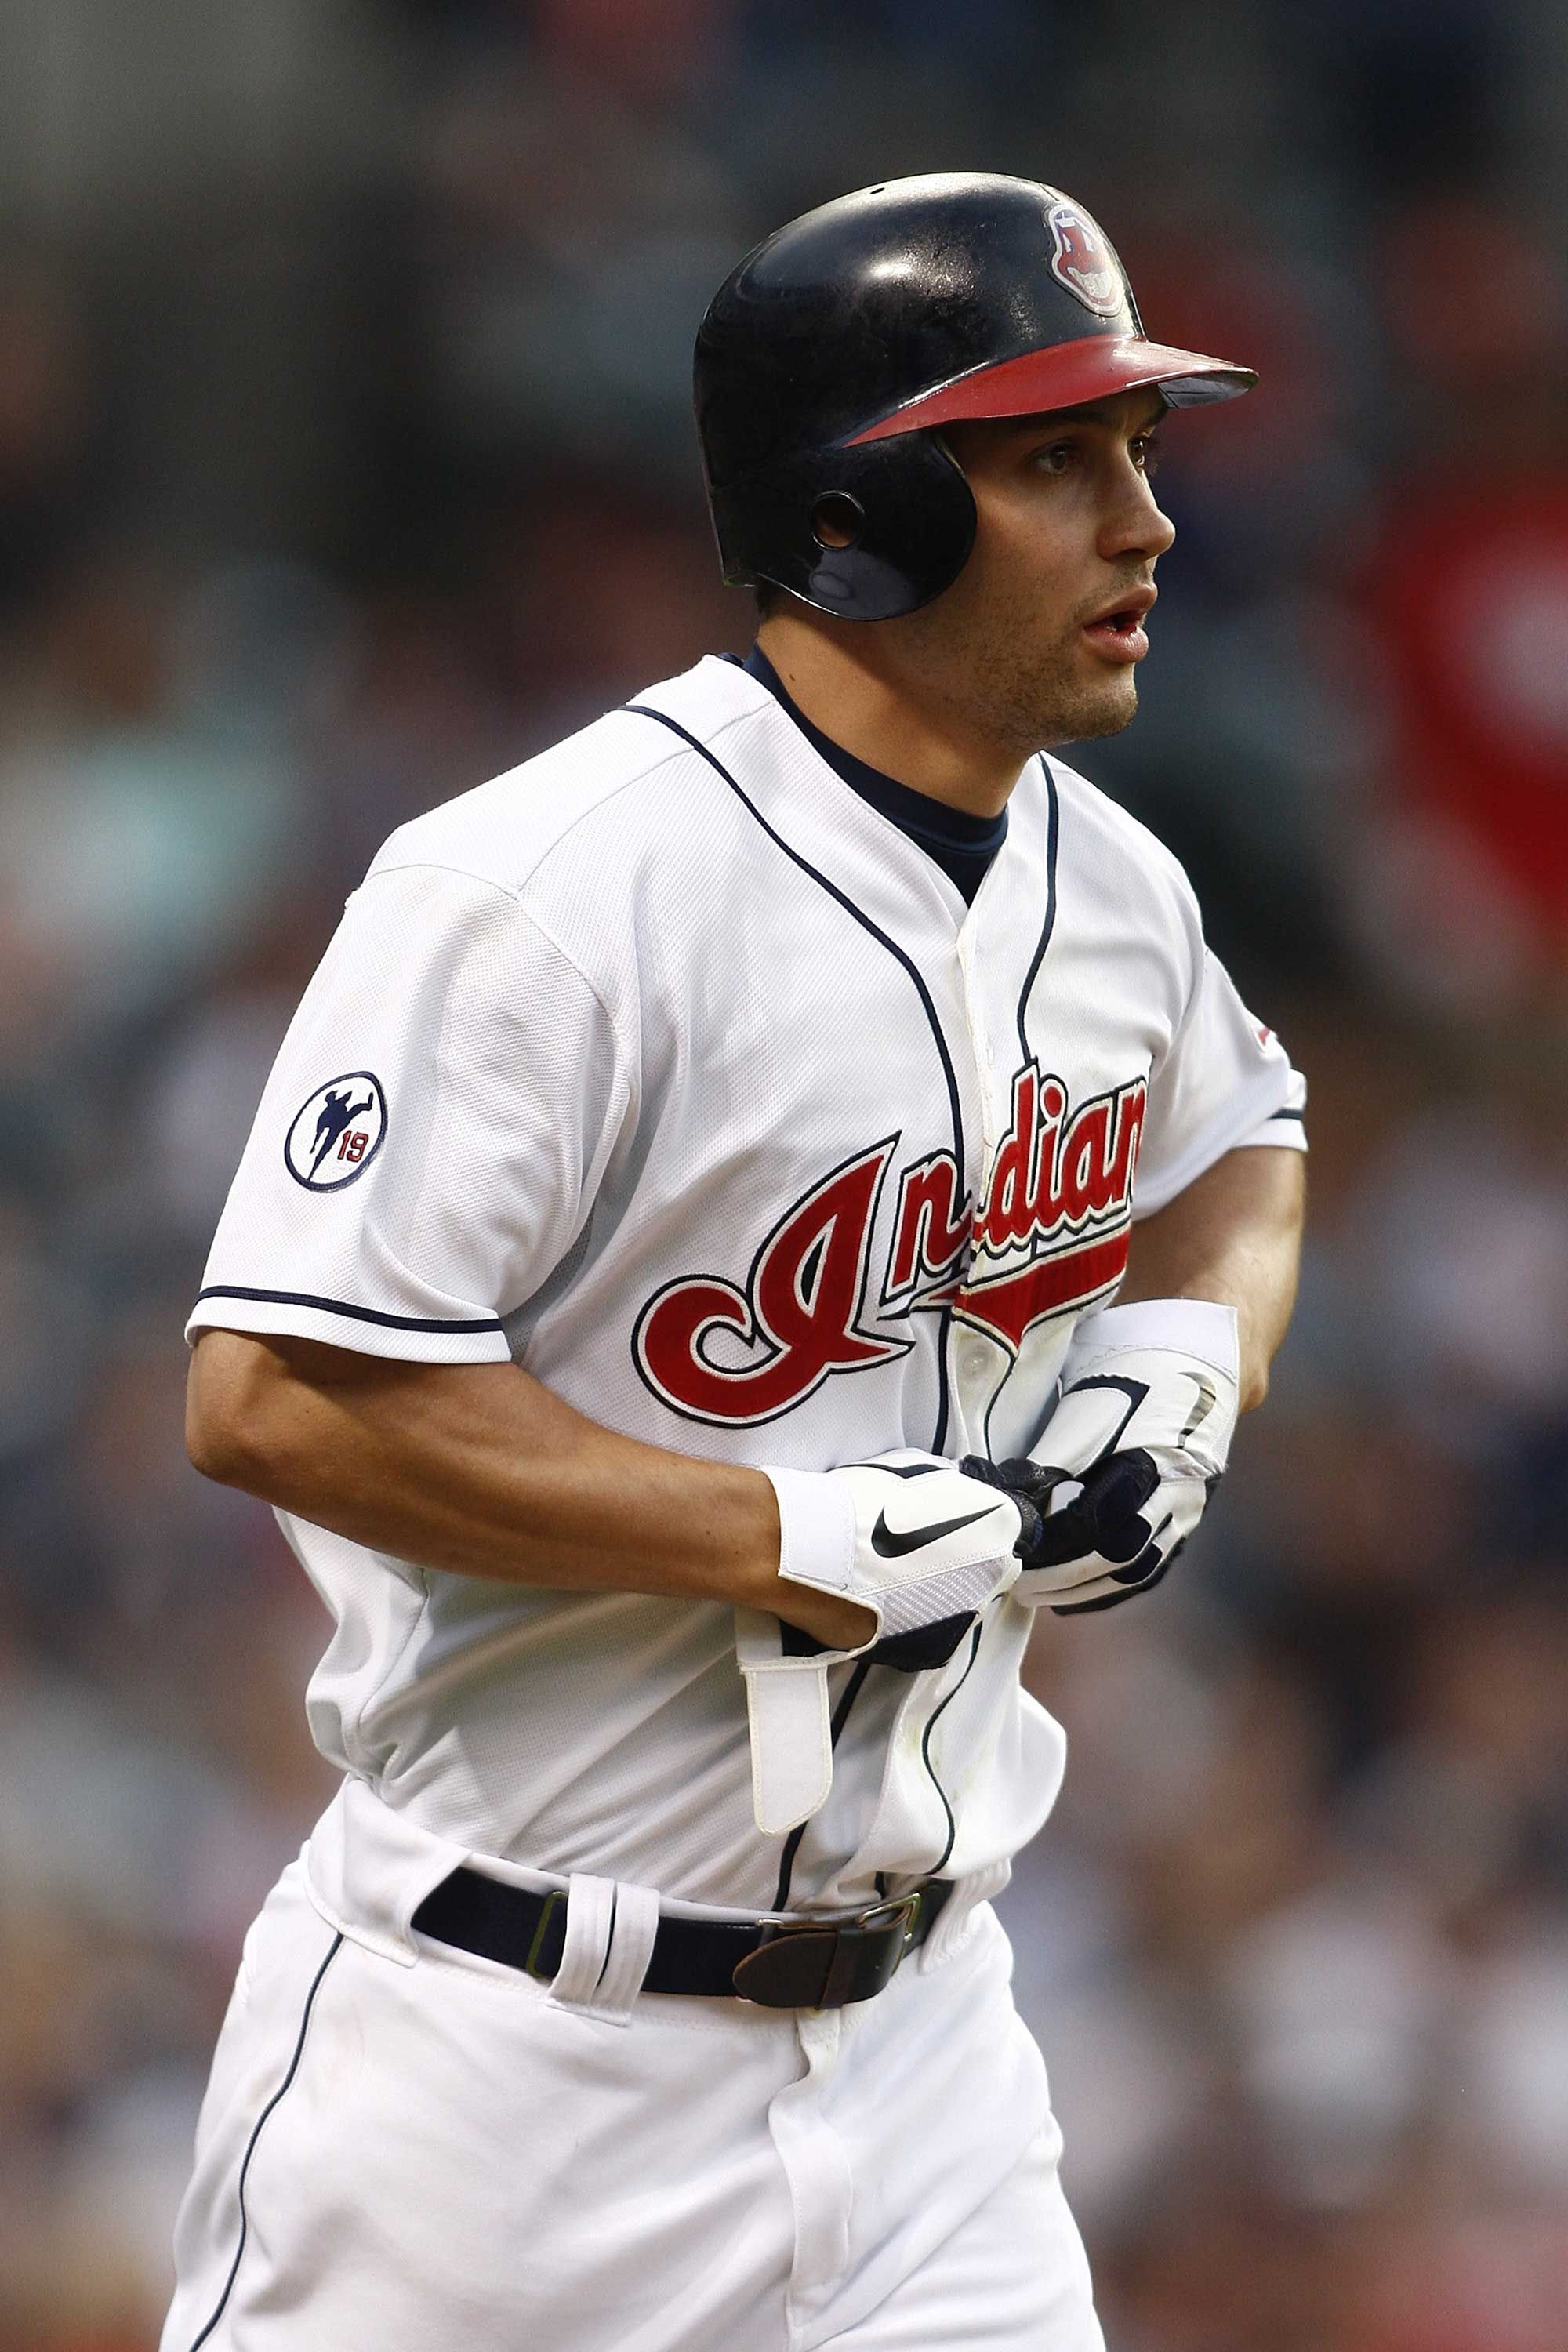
829, 357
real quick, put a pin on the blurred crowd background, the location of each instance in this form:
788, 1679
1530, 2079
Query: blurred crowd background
345, 458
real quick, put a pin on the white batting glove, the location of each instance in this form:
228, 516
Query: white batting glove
1123, 1469
908, 1536
913, 1540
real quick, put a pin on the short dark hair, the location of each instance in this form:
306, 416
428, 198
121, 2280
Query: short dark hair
765, 595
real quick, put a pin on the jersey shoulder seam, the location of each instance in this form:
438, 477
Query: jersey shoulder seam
514, 890
442, 865
537, 869
651, 768
545, 929
589, 983
514, 895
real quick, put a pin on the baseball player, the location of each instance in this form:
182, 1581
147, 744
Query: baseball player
755, 1205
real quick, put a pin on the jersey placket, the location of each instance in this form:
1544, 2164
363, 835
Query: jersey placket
973, 1363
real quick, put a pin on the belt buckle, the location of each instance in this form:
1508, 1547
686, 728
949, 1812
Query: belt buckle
905, 1912
906, 1907
810, 1964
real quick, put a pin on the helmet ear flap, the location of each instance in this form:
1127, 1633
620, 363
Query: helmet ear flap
905, 501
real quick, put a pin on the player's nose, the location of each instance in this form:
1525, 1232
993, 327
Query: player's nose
1135, 522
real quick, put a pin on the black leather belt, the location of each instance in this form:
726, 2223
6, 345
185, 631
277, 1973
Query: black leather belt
780, 1964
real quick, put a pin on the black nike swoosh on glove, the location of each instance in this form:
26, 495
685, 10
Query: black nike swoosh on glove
888, 1544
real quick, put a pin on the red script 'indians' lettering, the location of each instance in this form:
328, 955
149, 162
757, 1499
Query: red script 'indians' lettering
933, 1225
798, 1315
1056, 1177
1052, 1171
1051, 1234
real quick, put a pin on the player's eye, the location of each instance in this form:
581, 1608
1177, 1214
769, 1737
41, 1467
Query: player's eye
1147, 450
1057, 458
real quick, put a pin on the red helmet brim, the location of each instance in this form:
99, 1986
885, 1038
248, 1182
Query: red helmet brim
1067, 375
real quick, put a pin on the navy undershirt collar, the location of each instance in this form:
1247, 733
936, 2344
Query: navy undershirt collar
961, 844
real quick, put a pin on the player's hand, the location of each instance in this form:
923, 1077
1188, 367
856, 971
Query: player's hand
1123, 1469
918, 1546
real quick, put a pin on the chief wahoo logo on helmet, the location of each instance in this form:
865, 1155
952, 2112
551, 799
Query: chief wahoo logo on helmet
1083, 261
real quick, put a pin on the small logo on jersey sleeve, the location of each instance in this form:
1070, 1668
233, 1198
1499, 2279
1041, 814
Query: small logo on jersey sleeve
337, 1133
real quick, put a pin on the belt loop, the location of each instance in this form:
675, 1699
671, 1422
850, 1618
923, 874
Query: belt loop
958, 1918
610, 1929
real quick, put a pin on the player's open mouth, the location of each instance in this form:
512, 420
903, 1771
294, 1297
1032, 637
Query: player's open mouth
1118, 634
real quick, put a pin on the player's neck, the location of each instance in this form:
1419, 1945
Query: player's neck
879, 721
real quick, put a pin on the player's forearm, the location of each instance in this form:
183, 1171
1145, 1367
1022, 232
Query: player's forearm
479, 1469
1234, 1235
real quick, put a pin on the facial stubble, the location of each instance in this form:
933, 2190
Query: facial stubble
1004, 686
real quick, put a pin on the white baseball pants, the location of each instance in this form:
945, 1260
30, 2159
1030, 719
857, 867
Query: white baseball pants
432, 2150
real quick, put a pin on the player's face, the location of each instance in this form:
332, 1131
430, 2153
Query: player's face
1038, 639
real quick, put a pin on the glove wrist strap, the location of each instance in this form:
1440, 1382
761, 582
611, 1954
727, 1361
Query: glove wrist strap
787, 1709
1189, 1327
789, 1722
817, 1529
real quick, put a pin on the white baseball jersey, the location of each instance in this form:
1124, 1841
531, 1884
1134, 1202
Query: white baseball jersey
669, 1068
